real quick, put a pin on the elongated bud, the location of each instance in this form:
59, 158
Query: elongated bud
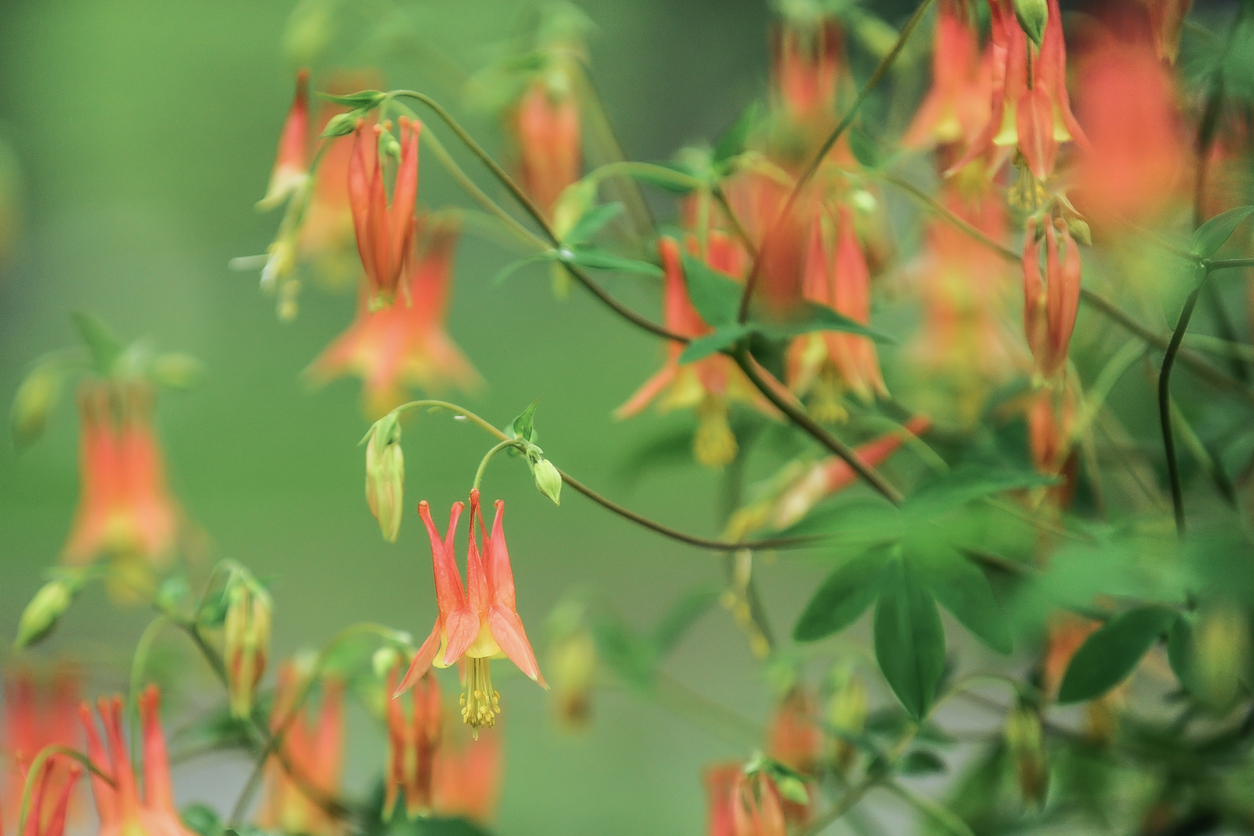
548, 480
385, 475
45, 610
1033, 15
246, 644
34, 402
1023, 738
291, 163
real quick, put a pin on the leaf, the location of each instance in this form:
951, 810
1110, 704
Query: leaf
909, 641
969, 482
524, 425
842, 598
105, 348
921, 762
715, 295
592, 222
864, 149
682, 615
703, 347
814, 317
1180, 650
964, 590
626, 654
202, 819
514, 266
1110, 654
1213, 234
599, 259
732, 142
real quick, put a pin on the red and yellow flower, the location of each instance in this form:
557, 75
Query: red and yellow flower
291, 162
414, 736
547, 130
37, 715
312, 746
1051, 302
467, 782
384, 230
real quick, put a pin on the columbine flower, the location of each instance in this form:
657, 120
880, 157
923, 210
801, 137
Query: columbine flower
957, 105
314, 747
124, 508
413, 740
1030, 107
384, 232
291, 163
480, 622
794, 737
756, 806
1050, 306
708, 385
120, 807
1051, 421
468, 778
546, 128
406, 344
37, 715
828, 362
50, 797
807, 56
720, 783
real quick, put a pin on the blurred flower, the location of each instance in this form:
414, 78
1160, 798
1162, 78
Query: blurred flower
709, 385
1050, 307
957, 105
794, 737
478, 623
846, 712
1167, 22
38, 714
313, 747
720, 784
1138, 156
807, 60
546, 127
413, 740
124, 508
291, 163
467, 777
757, 809
384, 232
572, 661
406, 344
50, 797
121, 809
1051, 420
246, 640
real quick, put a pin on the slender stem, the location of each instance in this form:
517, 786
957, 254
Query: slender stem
1227, 263
627, 168
138, 662
855, 793
805, 422
483, 463
871, 83
692, 540
1164, 404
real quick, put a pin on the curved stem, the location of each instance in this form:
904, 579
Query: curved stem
1164, 403
626, 168
805, 422
817, 160
483, 464
138, 662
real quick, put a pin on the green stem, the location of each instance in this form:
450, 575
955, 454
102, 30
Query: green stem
1164, 404
138, 662
628, 168
1228, 263
854, 794
871, 83
483, 464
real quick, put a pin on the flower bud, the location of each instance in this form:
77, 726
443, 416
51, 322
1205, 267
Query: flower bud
548, 480
34, 402
246, 643
1033, 15
43, 611
1023, 738
385, 475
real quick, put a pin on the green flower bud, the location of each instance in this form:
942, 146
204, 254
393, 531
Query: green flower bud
1033, 15
385, 475
246, 641
548, 480
34, 402
44, 611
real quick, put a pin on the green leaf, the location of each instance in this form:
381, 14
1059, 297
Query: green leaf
1213, 234
732, 142
1180, 650
514, 266
843, 597
202, 819
524, 425
599, 259
964, 590
969, 482
864, 149
105, 348
1111, 653
592, 222
814, 317
682, 615
715, 295
909, 641
362, 99
703, 347
921, 762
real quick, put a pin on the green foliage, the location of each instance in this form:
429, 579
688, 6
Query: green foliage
909, 640
1213, 234
844, 596
1110, 654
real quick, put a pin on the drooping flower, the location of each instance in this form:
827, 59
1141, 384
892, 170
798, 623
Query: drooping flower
50, 797
37, 715
1050, 304
827, 363
479, 622
314, 747
757, 808
957, 105
291, 163
406, 344
246, 640
794, 736
546, 127
720, 785
807, 57
124, 509
1138, 157
384, 230
1030, 109
467, 781
414, 735
709, 385
1051, 415
122, 810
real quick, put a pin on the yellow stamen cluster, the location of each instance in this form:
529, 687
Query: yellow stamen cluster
480, 704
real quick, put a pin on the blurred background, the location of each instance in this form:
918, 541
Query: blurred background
141, 138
